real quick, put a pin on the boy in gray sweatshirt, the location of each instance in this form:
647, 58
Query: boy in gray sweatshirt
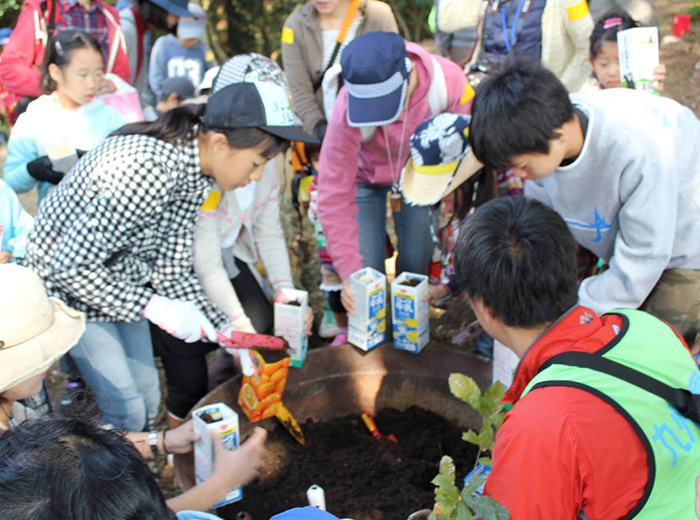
621, 167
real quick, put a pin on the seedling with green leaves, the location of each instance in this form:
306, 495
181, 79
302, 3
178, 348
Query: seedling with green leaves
489, 406
451, 503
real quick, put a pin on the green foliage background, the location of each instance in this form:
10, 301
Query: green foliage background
9, 11
255, 25
237, 26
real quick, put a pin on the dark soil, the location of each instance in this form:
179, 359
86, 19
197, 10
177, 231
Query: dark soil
363, 478
411, 282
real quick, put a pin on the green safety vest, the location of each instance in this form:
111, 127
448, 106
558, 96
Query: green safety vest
672, 441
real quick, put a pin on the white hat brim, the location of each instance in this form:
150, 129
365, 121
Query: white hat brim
35, 356
428, 189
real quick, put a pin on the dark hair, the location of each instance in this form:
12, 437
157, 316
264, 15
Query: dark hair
518, 257
154, 15
476, 191
606, 29
61, 50
184, 121
62, 467
517, 110
312, 149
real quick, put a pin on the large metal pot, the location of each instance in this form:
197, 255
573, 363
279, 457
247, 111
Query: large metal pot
336, 382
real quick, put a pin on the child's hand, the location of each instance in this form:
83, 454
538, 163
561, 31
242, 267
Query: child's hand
309, 321
659, 77
180, 439
346, 297
437, 292
167, 104
238, 467
5, 257
107, 87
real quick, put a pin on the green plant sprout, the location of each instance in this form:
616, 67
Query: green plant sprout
694, 11
451, 503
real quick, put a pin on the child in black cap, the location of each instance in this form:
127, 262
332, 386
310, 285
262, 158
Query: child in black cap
116, 238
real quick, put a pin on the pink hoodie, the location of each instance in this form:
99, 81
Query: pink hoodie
346, 161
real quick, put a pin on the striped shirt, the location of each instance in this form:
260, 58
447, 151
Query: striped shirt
329, 37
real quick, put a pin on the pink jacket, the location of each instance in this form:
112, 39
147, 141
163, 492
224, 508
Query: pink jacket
346, 160
23, 56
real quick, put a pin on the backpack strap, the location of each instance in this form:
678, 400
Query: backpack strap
347, 22
438, 98
118, 42
687, 403
50, 29
437, 94
141, 29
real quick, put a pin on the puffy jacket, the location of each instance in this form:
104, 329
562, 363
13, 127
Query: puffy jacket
23, 56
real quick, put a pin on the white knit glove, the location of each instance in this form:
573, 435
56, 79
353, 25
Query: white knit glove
242, 354
180, 319
242, 324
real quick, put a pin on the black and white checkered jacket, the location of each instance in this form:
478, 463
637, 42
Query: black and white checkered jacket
120, 226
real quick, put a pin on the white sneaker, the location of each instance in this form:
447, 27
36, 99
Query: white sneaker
328, 328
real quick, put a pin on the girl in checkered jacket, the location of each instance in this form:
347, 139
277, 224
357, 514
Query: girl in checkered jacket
115, 238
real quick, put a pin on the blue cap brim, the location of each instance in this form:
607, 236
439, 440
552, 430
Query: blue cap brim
304, 513
376, 111
173, 8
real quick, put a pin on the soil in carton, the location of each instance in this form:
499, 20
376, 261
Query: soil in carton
207, 418
411, 282
363, 478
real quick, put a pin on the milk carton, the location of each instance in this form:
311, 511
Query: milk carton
221, 419
290, 314
410, 312
505, 362
367, 325
481, 471
638, 51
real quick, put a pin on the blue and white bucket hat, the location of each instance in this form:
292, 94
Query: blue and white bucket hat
440, 159
375, 70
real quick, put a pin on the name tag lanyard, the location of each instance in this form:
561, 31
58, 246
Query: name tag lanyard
512, 38
395, 198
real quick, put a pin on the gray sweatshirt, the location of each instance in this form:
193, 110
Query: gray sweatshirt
632, 196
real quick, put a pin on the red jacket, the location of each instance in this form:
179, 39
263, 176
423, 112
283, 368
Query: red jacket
563, 450
23, 55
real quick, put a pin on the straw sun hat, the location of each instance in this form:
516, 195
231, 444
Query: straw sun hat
35, 330
440, 159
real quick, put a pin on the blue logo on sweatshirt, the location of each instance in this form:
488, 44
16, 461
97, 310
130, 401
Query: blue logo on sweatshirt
599, 225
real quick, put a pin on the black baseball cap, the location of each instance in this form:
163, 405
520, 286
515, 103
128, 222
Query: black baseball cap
255, 105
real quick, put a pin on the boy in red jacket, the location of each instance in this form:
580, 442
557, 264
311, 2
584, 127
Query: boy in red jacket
588, 436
